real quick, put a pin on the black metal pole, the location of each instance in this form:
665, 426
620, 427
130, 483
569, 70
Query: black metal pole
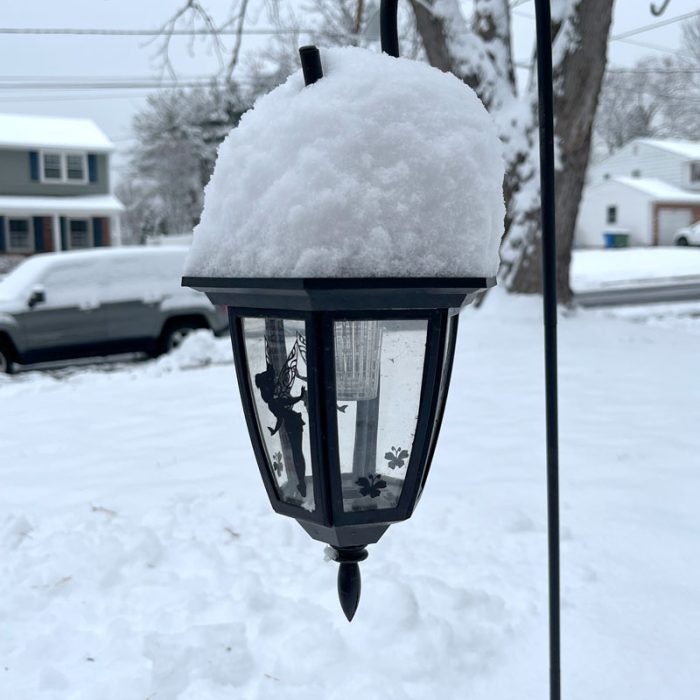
543, 23
390, 45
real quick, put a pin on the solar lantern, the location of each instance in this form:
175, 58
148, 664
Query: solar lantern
344, 262
343, 383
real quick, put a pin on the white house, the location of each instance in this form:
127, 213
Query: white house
649, 189
55, 191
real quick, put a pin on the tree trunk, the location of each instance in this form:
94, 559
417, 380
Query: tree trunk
433, 33
578, 80
483, 60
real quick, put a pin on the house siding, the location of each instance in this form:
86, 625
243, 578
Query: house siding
16, 177
633, 214
642, 160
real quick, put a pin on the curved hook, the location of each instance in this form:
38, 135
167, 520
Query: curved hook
389, 30
658, 11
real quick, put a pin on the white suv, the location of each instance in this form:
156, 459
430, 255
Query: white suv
57, 306
690, 235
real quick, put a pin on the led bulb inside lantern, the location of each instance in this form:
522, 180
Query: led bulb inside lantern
358, 347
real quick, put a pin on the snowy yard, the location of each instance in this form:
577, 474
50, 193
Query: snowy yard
633, 267
139, 557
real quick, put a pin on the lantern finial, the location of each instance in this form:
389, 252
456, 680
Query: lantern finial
349, 579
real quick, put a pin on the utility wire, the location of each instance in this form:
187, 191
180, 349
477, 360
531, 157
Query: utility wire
269, 31
63, 31
18, 83
654, 25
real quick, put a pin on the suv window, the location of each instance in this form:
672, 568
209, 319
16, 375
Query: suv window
145, 277
74, 284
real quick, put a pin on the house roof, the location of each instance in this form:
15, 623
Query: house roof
88, 204
687, 149
25, 131
658, 190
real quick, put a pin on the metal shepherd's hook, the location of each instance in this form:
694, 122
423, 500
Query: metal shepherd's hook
543, 21
658, 11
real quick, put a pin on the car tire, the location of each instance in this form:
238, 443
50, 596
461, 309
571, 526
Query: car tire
682, 241
173, 335
6, 363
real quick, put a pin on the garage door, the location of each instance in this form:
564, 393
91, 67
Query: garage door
670, 220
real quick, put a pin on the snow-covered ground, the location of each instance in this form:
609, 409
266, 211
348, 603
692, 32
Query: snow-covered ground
140, 559
633, 267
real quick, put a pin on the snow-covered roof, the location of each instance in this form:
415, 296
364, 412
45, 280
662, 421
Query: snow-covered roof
659, 190
687, 149
89, 204
25, 131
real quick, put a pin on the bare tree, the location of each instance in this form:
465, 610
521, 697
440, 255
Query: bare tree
177, 136
627, 109
195, 16
478, 50
655, 97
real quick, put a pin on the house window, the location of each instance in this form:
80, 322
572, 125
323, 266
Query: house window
64, 167
75, 167
79, 234
611, 215
52, 166
695, 171
19, 237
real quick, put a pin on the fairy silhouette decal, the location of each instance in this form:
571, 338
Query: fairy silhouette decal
276, 391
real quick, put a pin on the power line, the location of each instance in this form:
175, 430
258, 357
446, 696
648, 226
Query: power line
654, 25
648, 45
267, 31
112, 85
75, 31
653, 71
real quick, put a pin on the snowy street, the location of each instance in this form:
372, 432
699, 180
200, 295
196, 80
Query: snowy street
139, 557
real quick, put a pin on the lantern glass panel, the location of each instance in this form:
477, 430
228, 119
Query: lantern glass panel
276, 355
379, 375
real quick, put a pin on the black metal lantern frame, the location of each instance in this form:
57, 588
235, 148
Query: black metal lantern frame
319, 304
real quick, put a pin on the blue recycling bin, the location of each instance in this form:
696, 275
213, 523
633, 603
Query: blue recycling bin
616, 239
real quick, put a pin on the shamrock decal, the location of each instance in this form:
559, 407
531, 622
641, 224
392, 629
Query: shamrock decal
396, 458
277, 463
371, 485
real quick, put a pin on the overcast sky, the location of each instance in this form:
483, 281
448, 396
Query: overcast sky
61, 57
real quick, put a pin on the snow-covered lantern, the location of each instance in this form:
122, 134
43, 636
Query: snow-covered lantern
351, 215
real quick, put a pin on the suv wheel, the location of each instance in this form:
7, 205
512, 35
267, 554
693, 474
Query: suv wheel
174, 334
682, 240
5, 361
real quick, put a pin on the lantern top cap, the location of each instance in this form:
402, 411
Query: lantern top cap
384, 167
341, 294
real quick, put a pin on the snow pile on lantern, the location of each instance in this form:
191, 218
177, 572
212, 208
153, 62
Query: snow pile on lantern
384, 167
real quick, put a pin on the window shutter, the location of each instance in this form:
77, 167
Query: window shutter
97, 230
2, 233
34, 165
38, 234
92, 167
63, 233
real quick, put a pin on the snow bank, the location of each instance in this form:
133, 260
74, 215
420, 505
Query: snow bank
384, 167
